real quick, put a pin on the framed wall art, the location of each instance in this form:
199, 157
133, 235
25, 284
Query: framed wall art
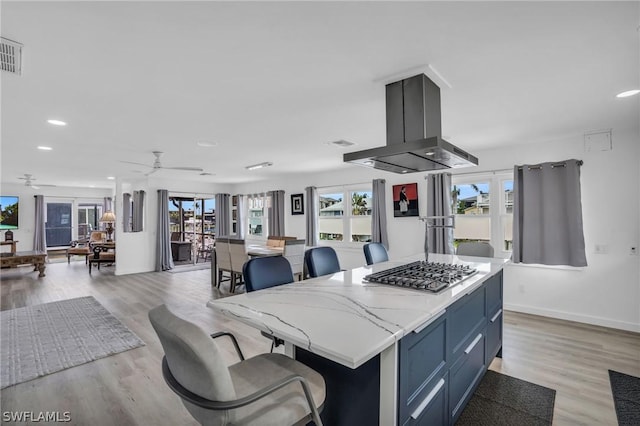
405, 200
297, 204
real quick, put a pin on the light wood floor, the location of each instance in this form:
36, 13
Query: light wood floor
128, 388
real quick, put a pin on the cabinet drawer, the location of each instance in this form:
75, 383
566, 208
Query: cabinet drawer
466, 319
422, 363
432, 410
494, 335
465, 374
493, 288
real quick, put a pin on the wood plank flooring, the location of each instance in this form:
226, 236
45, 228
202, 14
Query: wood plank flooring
128, 388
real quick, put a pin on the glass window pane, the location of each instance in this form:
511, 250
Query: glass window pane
507, 232
331, 205
361, 229
507, 187
58, 224
470, 199
361, 203
331, 229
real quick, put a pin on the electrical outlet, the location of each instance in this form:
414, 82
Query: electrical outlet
633, 251
601, 249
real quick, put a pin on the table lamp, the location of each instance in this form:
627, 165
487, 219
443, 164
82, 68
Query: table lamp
109, 218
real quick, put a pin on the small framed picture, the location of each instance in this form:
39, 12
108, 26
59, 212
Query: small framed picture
297, 205
405, 200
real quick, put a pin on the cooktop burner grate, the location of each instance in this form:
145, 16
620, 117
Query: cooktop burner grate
421, 275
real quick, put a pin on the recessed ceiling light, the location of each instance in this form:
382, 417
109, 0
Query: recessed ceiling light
45, 148
92, 186
57, 122
259, 166
429, 153
368, 163
207, 144
404, 171
110, 178
628, 93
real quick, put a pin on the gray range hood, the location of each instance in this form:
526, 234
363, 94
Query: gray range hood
414, 135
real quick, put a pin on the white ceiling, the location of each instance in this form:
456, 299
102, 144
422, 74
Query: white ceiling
277, 81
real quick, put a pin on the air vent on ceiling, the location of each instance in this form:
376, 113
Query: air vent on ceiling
10, 56
341, 143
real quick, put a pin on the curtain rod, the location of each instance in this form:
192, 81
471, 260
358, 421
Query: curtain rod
495, 172
559, 164
72, 197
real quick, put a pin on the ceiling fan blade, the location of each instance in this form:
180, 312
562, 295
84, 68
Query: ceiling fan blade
190, 169
137, 164
155, 169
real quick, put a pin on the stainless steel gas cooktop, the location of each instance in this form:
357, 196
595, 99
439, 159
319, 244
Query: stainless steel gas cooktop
421, 275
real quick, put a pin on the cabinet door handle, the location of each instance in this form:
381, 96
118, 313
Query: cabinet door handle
473, 344
427, 400
495, 317
429, 321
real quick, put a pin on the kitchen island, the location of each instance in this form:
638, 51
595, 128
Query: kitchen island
389, 355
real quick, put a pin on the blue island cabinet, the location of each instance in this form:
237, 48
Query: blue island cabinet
441, 365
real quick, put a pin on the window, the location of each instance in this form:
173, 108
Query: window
89, 215
483, 205
257, 215
194, 220
348, 221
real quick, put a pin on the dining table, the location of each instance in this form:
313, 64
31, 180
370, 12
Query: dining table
253, 250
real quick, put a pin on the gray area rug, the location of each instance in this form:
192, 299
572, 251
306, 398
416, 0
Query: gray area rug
626, 397
42, 339
505, 400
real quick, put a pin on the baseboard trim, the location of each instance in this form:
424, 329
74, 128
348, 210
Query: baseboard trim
587, 319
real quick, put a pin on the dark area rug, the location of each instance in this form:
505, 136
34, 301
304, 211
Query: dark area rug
505, 400
42, 339
626, 397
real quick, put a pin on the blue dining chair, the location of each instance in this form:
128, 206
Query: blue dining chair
375, 253
264, 272
321, 261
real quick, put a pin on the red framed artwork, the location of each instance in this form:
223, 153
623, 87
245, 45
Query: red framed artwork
405, 200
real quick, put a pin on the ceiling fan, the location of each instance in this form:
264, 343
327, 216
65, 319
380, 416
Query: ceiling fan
28, 181
157, 165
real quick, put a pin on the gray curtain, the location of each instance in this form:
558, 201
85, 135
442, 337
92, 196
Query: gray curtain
240, 224
547, 214
439, 204
138, 211
223, 219
126, 212
164, 260
40, 235
276, 214
379, 213
107, 204
311, 215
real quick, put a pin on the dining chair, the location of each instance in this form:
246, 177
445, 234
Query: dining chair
375, 253
231, 255
475, 248
267, 389
294, 253
321, 261
265, 272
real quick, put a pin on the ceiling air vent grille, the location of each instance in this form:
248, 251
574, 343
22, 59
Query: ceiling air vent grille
341, 143
10, 56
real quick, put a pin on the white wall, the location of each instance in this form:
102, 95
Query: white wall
137, 250
27, 206
607, 292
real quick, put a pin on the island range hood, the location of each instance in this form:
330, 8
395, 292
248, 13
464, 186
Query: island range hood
414, 135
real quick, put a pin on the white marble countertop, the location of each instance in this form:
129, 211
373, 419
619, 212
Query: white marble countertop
344, 319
